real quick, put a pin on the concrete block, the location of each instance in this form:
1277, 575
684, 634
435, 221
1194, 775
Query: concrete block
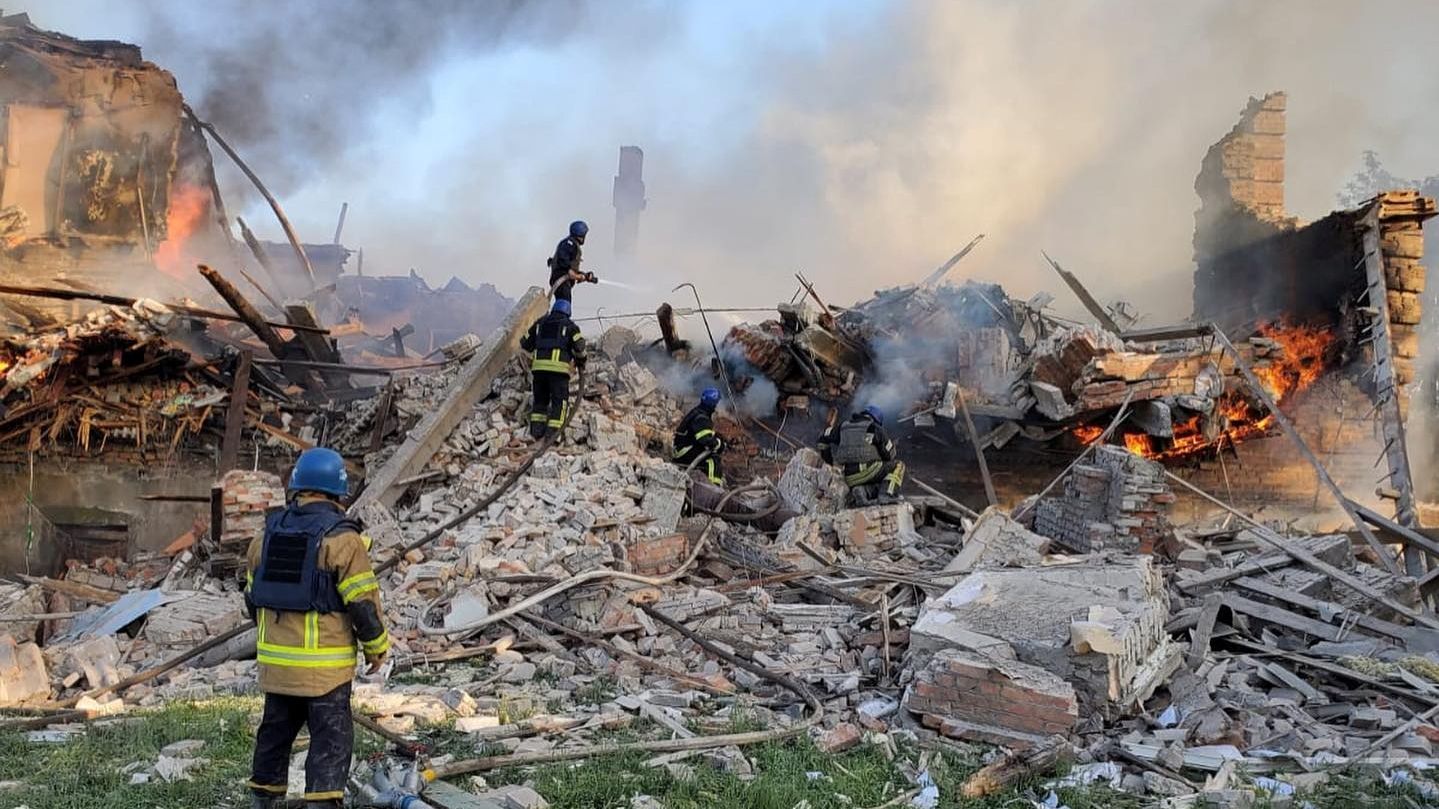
22, 672
998, 541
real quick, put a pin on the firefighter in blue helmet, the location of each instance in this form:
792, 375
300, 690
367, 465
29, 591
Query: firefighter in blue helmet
554, 343
867, 456
696, 435
565, 269
316, 604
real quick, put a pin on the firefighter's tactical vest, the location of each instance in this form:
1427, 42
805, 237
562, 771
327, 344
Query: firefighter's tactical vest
289, 577
856, 444
553, 338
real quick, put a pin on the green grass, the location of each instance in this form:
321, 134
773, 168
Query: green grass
86, 772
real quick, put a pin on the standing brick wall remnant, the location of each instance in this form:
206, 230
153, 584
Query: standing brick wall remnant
247, 497
1119, 501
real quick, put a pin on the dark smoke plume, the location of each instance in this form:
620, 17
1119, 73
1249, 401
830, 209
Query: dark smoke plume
294, 86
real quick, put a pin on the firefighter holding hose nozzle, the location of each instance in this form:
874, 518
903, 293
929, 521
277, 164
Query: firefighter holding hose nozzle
565, 269
695, 437
316, 603
866, 454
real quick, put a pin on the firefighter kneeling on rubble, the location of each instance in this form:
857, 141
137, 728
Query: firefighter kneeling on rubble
695, 436
553, 342
316, 602
866, 454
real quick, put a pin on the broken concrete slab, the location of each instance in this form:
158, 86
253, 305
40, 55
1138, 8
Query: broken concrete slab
998, 541
1032, 611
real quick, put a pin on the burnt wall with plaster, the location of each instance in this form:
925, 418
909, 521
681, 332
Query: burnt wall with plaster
62, 489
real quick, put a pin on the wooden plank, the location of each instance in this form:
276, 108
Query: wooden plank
1257, 389
1321, 607
235, 414
85, 592
472, 384
1162, 333
1203, 631
1388, 391
978, 448
1283, 617
264, 192
1269, 537
261, 257
1094, 307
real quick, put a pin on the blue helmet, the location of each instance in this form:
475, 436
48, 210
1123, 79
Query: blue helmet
578, 229
875, 413
320, 470
562, 306
710, 398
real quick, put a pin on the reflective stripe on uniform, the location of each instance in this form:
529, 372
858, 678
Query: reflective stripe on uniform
312, 630
710, 470
552, 363
325, 796
273, 789
703, 433
378, 646
324, 657
865, 474
357, 585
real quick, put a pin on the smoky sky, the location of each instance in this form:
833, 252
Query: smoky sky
293, 84
861, 142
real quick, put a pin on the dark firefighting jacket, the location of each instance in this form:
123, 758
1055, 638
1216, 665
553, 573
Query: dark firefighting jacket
553, 342
695, 434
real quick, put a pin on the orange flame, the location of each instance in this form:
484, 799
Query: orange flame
188, 206
1306, 352
1306, 349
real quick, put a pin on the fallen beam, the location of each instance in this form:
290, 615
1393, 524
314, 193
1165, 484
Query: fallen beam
1269, 537
264, 192
1258, 390
1094, 307
472, 385
1159, 334
120, 300
250, 316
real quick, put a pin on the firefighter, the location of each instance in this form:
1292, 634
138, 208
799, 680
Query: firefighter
316, 602
696, 435
867, 456
565, 269
553, 342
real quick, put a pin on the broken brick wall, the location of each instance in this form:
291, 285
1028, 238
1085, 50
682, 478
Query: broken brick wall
92, 144
112, 487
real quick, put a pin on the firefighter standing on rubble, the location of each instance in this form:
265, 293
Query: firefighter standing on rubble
695, 436
553, 342
316, 602
565, 269
865, 452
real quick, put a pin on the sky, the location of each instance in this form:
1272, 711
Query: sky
860, 142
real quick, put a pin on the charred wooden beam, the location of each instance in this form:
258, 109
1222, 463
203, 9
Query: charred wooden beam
943, 269
261, 257
235, 413
1094, 307
1159, 334
264, 192
251, 317
978, 448
120, 300
671, 336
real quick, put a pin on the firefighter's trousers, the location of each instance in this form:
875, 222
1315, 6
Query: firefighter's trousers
332, 740
552, 399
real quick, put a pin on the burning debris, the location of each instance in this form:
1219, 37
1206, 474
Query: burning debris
597, 585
